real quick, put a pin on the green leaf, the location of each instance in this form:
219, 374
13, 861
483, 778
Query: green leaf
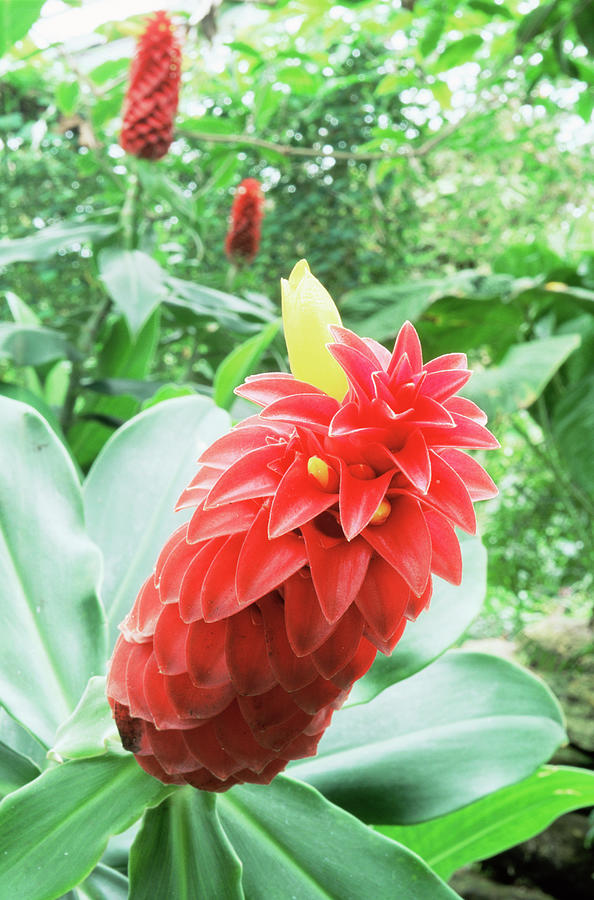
20, 311
30, 345
66, 816
67, 96
134, 281
239, 363
490, 9
299, 79
131, 491
182, 852
451, 611
228, 310
293, 843
522, 376
21, 741
459, 52
53, 634
44, 243
102, 884
535, 22
15, 392
459, 729
433, 32
15, 770
16, 19
499, 821
573, 428
90, 730
583, 18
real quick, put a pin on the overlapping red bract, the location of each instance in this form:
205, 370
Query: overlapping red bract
153, 92
273, 600
243, 238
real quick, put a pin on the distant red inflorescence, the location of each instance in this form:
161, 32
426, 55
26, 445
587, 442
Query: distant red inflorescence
243, 237
153, 92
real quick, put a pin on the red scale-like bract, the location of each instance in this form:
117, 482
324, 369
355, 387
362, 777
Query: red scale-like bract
243, 237
316, 529
153, 93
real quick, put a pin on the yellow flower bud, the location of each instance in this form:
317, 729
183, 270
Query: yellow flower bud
308, 310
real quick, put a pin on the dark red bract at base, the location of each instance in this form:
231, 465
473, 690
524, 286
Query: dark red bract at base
243, 237
318, 524
153, 93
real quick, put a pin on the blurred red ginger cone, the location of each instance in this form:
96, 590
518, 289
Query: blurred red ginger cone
243, 238
317, 526
153, 91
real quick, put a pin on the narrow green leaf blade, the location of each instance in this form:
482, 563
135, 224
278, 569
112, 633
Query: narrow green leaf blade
182, 852
15, 770
131, 491
465, 726
48, 241
293, 843
90, 730
501, 820
239, 363
30, 345
53, 633
65, 818
451, 611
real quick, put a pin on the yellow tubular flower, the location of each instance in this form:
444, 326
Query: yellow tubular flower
308, 310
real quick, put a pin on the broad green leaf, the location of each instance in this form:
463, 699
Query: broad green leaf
182, 852
90, 730
450, 612
299, 79
132, 489
573, 428
66, 817
141, 390
239, 363
16, 19
134, 281
522, 376
30, 345
535, 22
47, 241
584, 23
102, 884
499, 821
15, 770
459, 51
67, 96
21, 741
490, 8
228, 310
459, 729
433, 32
53, 633
15, 392
169, 392
293, 843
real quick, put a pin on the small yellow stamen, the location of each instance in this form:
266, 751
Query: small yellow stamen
381, 514
323, 474
308, 310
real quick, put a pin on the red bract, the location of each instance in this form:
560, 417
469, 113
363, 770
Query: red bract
317, 526
243, 237
153, 92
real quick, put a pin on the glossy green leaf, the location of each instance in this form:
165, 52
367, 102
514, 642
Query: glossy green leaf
182, 852
21, 741
293, 843
15, 770
90, 730
53, 633
20, 311
67, 96
499, 821
102, 884
47, 241
459, 51
66, 816
583, 18
16, 19
573, 428
131, 491
459, 729
29, 345
239, 363
522, 375
451, 611
535, 22
16, 392
134, 281
228, 310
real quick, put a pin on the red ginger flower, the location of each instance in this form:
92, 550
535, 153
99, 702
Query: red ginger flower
317, 526
153, 92
243, 237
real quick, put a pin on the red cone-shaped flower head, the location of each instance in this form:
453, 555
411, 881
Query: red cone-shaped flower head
243, 237
153, 92
317, 526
